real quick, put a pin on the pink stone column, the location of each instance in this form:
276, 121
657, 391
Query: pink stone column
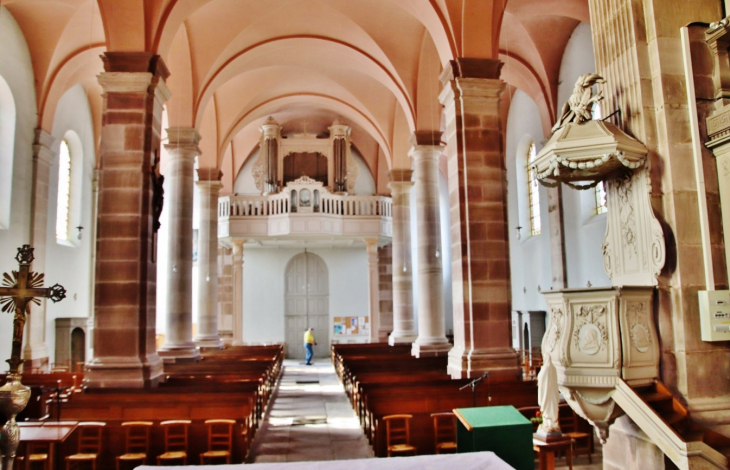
371, 245
431, 324
238, 292
126, 275
35, 351
385, 292
207, 285
183, 148
479, 234
404, 326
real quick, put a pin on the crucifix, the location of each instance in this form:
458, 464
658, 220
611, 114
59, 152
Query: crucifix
19, 290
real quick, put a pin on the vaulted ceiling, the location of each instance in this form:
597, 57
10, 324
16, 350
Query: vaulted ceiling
372, 64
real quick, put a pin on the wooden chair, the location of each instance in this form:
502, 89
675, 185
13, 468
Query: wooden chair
176, 441
583, 441
444, 432
220, 440
137, 443
37, 452
398, 434
89, 445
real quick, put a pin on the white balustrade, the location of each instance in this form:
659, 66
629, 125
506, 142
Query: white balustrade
304, 198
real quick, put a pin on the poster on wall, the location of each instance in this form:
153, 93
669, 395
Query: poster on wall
364, 326
350, 326
339, 326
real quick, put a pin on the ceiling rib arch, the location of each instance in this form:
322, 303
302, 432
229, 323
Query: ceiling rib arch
378, 71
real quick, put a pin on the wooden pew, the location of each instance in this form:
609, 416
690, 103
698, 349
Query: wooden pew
235, 383
158, 405
384, 380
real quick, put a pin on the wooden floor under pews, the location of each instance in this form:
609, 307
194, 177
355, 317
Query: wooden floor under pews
234, 384
240, 383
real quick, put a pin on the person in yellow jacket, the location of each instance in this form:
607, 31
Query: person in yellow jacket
309, 343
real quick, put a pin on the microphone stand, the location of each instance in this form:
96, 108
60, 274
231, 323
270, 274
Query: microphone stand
473, 385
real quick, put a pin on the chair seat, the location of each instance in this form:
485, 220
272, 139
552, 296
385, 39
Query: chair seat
37, 457
82, 457
446, 446
215, 454
401, 448
180, 454
138, 456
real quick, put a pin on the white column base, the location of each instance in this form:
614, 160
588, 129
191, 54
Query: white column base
435, 348
186, 352
499, 362
114, 372
401, 338
208, 342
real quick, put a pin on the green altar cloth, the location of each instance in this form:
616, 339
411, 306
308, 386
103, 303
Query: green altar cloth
500, 429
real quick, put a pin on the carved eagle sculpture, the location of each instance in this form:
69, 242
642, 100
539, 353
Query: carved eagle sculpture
580, 104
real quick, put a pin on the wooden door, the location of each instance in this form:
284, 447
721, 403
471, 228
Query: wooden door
306, 304
78, 350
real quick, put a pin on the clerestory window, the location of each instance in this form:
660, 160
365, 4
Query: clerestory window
64, 192
533, 192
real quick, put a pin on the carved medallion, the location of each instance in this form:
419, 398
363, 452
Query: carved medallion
590, 335
589, 339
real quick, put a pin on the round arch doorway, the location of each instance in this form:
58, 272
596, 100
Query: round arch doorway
306, 304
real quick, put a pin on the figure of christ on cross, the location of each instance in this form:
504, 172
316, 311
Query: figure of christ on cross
19, 289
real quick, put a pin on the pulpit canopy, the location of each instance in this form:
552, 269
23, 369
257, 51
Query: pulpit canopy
588, 152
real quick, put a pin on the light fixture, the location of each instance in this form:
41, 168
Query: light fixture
519, 232
79, 228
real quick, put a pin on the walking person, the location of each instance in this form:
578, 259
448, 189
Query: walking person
309, 344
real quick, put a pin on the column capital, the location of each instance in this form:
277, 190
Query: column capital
400, 181
126, 62
209, 175
237, 246
371, 244
183, 142
464, 67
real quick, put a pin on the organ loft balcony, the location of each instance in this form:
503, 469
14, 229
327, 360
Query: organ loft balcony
305, 210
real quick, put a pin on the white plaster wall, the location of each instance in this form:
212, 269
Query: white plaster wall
530, 256
70, 264
584, 230
263, 288
17, 70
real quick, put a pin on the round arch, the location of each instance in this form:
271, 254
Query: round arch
7, 151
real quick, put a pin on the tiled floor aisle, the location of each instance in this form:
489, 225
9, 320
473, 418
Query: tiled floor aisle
309, 421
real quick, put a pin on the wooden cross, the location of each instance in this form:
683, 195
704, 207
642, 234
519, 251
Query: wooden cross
19, 290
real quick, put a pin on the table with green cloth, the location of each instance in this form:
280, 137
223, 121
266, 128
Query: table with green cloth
500, 429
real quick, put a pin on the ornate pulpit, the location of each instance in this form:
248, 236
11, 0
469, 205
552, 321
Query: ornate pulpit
599, 336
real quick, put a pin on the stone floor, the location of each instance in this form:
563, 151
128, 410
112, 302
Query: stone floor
310, 418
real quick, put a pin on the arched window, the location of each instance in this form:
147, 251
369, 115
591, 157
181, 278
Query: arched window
63, 203
7, 148
601, 207
533, 192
